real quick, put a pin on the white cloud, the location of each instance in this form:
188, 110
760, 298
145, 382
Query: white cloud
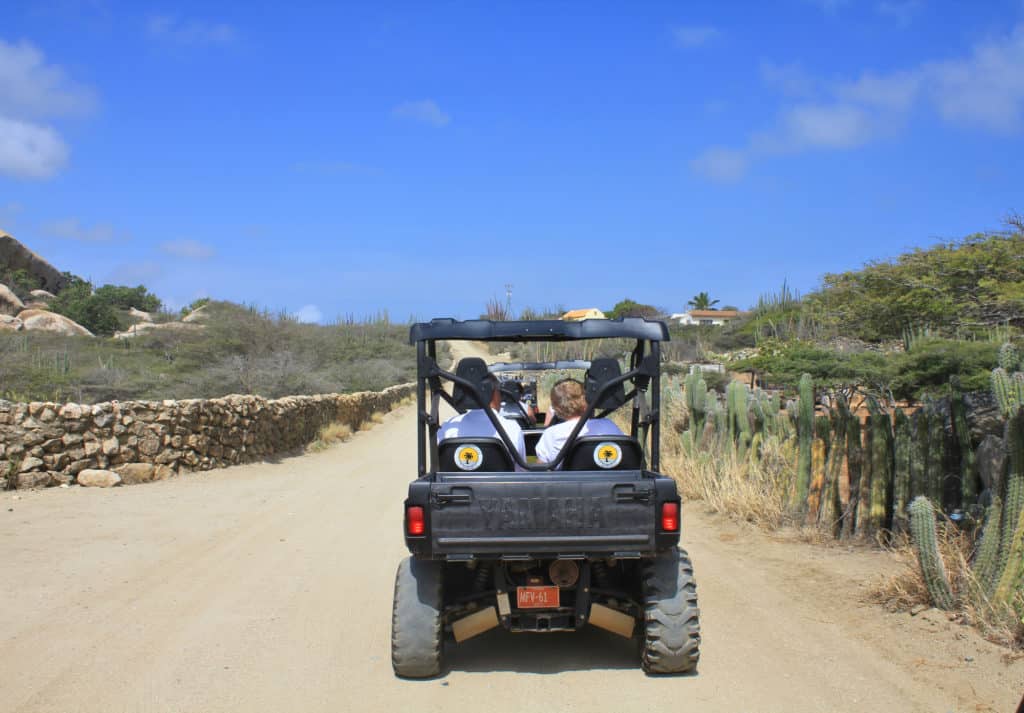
837, 126
187, 249
310, 314
30, 90
30, 150
790, 79
901, 11
694, 35
984, 90
425, 110
721, 165
190, 32
135, 273
72, 229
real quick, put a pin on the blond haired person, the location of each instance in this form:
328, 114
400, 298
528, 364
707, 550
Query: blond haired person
569, 402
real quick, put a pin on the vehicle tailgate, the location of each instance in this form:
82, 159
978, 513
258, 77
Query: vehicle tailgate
567, 515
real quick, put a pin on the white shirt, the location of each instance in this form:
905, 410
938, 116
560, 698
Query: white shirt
554, 437
475, 424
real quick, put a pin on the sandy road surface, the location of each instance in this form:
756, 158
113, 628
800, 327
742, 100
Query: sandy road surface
268, 588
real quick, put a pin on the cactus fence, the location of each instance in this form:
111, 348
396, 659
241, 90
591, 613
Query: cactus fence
856, 474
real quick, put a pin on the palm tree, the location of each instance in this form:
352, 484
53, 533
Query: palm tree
702, 301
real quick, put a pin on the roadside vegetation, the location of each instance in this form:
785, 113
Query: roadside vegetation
236, 350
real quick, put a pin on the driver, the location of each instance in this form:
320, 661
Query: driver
475, 424
569, 402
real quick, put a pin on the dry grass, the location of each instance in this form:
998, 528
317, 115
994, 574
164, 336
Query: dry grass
906, 589
753, 490
329, 435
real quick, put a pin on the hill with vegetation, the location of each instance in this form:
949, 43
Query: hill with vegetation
234, 350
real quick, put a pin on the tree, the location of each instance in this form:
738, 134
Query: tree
702, 300
631, 308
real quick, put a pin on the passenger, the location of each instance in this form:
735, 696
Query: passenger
569, 402
475, 424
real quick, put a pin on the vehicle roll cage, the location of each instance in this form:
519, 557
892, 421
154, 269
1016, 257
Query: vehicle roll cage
643, 373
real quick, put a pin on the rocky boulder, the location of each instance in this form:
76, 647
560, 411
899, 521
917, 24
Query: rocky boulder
96, 478
34, 479
9, 323
9, 302
15, 256
42, 295
41, 320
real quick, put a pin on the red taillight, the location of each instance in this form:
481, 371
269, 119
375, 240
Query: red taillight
670, 517
415, 524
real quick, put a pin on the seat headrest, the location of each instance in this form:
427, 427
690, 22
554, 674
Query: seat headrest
474, 370
601, 371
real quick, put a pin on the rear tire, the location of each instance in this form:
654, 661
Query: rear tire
416, 627
671, 641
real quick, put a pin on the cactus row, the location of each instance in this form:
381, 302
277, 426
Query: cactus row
805, 434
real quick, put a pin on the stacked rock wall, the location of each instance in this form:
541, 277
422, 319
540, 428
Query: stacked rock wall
44, 444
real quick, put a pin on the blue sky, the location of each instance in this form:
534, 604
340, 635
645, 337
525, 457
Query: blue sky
332, 159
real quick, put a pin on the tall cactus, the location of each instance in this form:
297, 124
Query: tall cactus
881, 469
1008, 389
1013, 503
902, 459
935, 468
854, 462
922, 527
863, 525
919, 453
696, 399
986, 561
1009, 357
1011, 583
805, 434
828, 513
968, 468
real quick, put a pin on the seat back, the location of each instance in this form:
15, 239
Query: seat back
473, 455
605, 453
474, 370
601, 371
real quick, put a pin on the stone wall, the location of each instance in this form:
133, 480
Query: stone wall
46, 444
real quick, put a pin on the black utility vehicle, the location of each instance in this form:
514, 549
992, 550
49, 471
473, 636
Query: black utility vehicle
498, 539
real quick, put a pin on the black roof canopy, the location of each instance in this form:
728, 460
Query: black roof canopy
540, 330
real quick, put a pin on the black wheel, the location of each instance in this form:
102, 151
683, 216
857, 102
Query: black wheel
416, 631
671, 642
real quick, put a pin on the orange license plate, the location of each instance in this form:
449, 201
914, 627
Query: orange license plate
537, 597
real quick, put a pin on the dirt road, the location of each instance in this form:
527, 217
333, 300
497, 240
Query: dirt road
268, 588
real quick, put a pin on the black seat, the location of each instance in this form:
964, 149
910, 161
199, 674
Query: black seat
473, 370
473, 455
601, 371
605, 453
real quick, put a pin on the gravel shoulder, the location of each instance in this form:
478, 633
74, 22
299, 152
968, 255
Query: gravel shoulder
268, 588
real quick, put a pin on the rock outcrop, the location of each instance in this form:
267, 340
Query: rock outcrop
47, 444
139, 316
42, 296
15, 256
44, 321
9, 323
9, 302
196, 315
137, 330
